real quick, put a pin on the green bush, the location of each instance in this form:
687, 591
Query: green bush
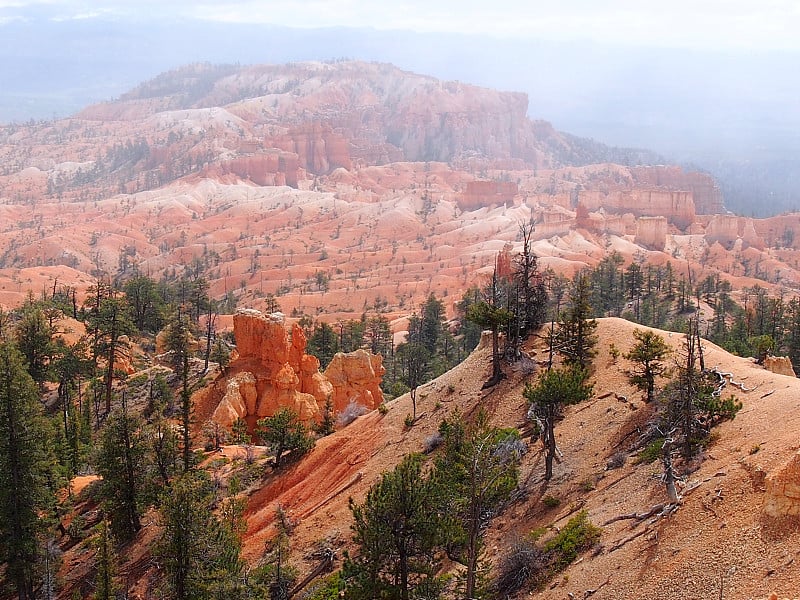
578, 536
551, 501
651, 452
327, 588
529, 564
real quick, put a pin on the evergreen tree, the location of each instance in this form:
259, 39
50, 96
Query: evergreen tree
648, 355
692, 408
328, 423
399, 536
35, 340
477, 471
555, 389
121, 464
24, 469
415, 361
469, 331
491, 316
284, 432
575, 338
145, 305
110, 323
379, 336
178, 344
200, 554
69, 365
105, 587
532, 289
323, 344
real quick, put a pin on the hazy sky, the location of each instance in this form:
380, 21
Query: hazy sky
723, 24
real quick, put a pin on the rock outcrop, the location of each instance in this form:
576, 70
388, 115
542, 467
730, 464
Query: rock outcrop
780, 365
275, 167
705, 191
676, 205
651, 232
356, 377
782, 497
273, 371
480, 194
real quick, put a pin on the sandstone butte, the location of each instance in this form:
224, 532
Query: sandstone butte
273, 371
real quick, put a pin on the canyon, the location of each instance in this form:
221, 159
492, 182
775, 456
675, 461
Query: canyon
329, 191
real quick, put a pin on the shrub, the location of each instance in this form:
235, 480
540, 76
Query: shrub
383, 409
525, 563
328, 588
551, 501
577, 536
651, 452
432, 442
616, 460
350, 413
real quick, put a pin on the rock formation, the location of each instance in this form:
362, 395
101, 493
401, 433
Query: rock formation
782, 497
266, 168
676, 205
780, 365
481, 194
356, 377
273, 371
705, 191
651, 232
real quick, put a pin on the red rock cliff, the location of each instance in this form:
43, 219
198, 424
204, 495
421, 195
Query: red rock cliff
273, 371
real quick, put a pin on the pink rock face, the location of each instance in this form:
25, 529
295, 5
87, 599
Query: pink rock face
705, 192
780, 365
356, 376
239, 400
652, 232
487, 193
782, 497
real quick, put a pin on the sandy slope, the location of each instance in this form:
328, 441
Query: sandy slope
717, 537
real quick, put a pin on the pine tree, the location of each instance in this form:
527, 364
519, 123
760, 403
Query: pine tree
145, 305
200, 554
177, 343
23, 472
121, 464
399, 535
477, 471
489, 314
284, 432
555, 389
35, 340
110, 323
575, 337
648, 354
415, 360
105, 587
